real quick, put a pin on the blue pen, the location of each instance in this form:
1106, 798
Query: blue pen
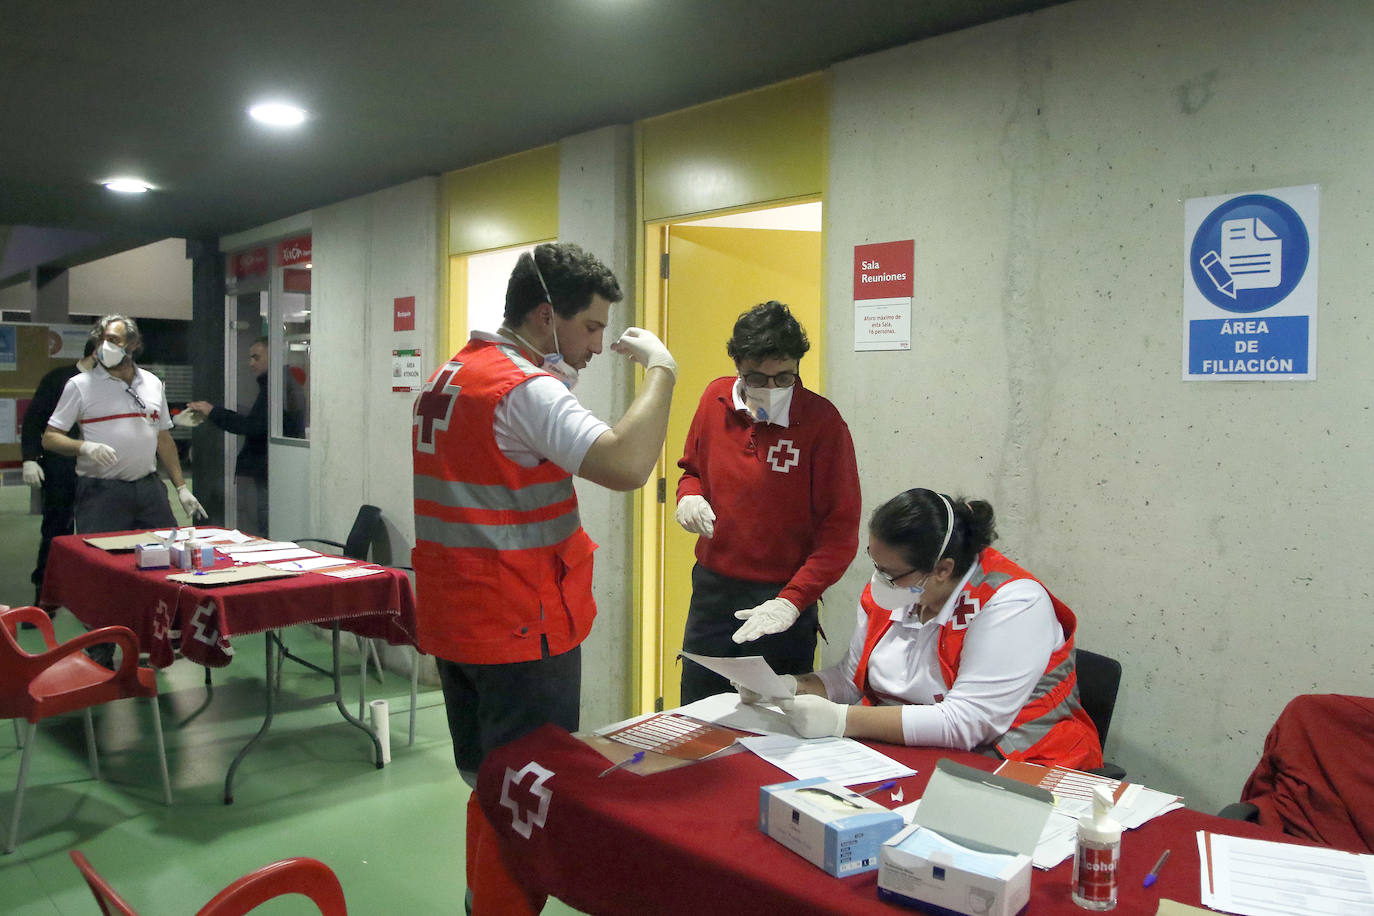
637, 756
1153, 876
887, 785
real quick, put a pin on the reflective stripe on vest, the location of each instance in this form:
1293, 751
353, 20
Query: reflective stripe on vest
457, 495
497, 537
1023, 736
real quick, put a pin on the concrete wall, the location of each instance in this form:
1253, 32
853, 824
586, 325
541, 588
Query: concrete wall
1210, 535
596, 211
367, 252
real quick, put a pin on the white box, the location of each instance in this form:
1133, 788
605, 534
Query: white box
184, 555
969, 850
152, 556
827, 824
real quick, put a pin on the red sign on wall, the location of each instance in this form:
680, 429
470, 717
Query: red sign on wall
251, 263
885, 270
404, 313
293, 251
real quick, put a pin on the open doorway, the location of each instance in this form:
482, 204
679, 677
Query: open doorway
711, 269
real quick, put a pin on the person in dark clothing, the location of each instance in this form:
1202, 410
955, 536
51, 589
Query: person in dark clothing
251, 465
54, 473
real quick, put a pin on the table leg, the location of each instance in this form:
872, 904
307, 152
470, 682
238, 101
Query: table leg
266, 724
339, 702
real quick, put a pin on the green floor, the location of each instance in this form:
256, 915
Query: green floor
393, 836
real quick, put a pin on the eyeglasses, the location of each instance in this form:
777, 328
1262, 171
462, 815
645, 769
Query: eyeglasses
891, 580
779, 379
137, 400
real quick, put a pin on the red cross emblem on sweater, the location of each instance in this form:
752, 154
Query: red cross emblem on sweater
434, 408
784, 456
528, 806
964, 611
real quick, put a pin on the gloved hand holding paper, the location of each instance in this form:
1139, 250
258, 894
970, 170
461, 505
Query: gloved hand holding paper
751, 672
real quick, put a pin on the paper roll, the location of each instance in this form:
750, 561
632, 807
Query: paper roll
381, 724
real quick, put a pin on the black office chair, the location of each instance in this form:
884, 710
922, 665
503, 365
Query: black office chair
363, 538
1099, 678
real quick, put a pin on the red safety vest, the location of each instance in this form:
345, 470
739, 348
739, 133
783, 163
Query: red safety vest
1052, 728
500, 555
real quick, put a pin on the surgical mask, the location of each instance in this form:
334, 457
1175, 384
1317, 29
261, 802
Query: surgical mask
110, 355
553, 363
766, 404
891, 597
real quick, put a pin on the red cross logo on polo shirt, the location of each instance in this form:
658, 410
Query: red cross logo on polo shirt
784, 456
434, 407
528, 806
964, 611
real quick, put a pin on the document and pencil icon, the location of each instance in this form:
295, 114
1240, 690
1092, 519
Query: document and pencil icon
1251, 257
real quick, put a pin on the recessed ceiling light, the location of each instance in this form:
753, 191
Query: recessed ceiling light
277, 114
127, 185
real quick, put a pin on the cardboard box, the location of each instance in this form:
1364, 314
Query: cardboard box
969, 849
827, 824
184, 555
152, 556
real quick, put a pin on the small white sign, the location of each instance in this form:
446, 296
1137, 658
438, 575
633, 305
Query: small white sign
406, 370
882, 324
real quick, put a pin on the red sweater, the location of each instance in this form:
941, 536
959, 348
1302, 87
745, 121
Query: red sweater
786, 498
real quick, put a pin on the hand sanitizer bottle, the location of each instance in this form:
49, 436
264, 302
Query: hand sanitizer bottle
1098, 855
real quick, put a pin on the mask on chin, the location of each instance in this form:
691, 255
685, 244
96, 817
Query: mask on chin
893, 597
765, 404
110, 355
552, 363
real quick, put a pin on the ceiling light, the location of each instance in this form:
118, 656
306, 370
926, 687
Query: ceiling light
277, 114
127, 185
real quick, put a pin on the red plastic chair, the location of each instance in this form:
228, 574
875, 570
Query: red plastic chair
309, 877
63, 679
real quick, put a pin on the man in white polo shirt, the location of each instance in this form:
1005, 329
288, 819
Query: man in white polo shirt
125, 428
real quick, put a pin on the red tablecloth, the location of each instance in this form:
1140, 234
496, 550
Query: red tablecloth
104, 589
687, 840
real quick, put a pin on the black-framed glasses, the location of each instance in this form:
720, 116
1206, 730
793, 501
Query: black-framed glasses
891, 580
779, 379
137, 400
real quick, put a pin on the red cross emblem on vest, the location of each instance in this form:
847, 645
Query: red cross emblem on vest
964, 611
434, 407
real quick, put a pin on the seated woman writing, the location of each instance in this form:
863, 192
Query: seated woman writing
955, 646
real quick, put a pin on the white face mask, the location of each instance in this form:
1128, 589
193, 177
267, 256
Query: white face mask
110, 355
553, 363
766, 404
891, 597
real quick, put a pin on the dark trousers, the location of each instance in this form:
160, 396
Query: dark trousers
117, 505
59, 495
492, 705
711, 622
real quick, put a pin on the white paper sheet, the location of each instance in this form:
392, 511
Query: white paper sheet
751, 671
352, 572
258, 546
309, 563
841, 760
726, 709
1263, 878
274, 556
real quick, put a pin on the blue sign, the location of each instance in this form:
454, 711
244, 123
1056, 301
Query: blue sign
1250, 285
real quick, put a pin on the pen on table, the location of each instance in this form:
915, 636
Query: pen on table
887, 785
637, 756
1154, 872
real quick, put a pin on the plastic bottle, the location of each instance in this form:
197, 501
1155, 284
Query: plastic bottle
1095, 864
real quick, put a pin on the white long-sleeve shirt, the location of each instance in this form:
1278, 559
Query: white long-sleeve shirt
1009, 643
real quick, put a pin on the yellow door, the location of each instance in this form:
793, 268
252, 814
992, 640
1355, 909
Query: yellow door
714, 275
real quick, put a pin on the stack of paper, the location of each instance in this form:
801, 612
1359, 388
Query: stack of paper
1262, 878
1073, 792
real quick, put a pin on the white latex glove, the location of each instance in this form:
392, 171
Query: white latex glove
102, 454
695, 515
189, 502
814, 716
33, 474
646, 349
750, 697
773, 616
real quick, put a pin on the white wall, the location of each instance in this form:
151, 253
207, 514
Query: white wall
596, 211
1210, 535
367, 252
